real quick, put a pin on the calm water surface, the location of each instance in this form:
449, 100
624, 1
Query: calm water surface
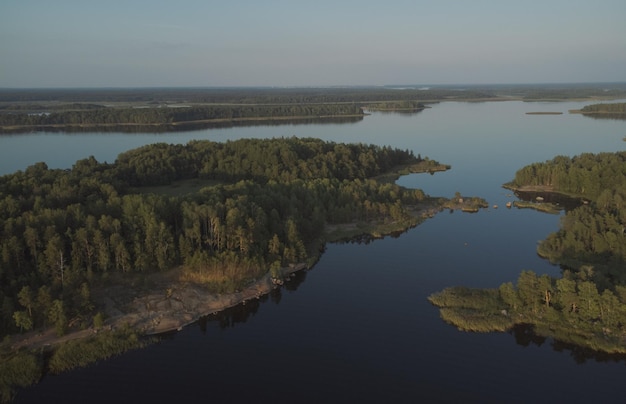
357, 327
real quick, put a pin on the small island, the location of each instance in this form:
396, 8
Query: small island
587, 306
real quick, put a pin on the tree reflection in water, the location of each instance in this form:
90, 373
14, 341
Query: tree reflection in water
525, 336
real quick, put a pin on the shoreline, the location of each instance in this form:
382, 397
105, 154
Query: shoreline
17, 129
168, 304
158, 310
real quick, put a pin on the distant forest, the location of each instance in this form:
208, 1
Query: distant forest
100, 115
612, 108
615, 110
356, 94
170, 109
264, 204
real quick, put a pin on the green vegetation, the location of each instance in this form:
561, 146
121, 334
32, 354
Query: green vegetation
587, 175
540, 206
25, 367
18, 370
466, 204
225, 214
613, 110
144, 116
250, 95
81, 352
567, 309
406, 105
247, 206
587, 306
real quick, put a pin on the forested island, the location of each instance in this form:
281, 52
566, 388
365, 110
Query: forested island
604, 110
160, 118
587, 306
219, 216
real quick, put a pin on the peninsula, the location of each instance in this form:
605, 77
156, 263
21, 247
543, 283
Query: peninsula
169, 233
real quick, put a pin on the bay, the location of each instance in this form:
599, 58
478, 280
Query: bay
357, 326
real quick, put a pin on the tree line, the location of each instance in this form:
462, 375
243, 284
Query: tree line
571, 309
611, 108
266, 204
250, 95
170, 115
587, 175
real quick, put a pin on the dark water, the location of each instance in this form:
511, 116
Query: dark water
357, 327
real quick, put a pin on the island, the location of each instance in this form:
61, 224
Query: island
616, 110
587, 306
99, 256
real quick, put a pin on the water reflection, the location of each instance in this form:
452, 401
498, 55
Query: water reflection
367, 238
186, 127
243, 312
566, 202
607, 116
525, 336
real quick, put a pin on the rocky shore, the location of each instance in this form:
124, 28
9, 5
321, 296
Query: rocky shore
162, 308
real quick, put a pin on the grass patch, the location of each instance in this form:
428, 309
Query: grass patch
478, 310
542, 207
82, 352
222, 275
19, 370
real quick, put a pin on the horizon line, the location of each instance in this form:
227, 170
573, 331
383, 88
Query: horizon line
334, 86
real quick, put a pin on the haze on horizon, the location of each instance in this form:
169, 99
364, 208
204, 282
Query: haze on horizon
155, 43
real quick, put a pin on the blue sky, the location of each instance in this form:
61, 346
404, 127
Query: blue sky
84, 43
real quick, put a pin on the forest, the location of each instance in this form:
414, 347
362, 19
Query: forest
243, 95
587, 306
612, 108
604, 111
263, 204
90, 115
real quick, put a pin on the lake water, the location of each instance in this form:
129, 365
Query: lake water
357, 327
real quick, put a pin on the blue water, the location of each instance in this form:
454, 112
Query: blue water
357, 327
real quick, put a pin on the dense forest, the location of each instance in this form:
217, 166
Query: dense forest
250, 95
587, 175
264, 204
587, 306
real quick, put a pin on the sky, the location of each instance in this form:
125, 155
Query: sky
155, 43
